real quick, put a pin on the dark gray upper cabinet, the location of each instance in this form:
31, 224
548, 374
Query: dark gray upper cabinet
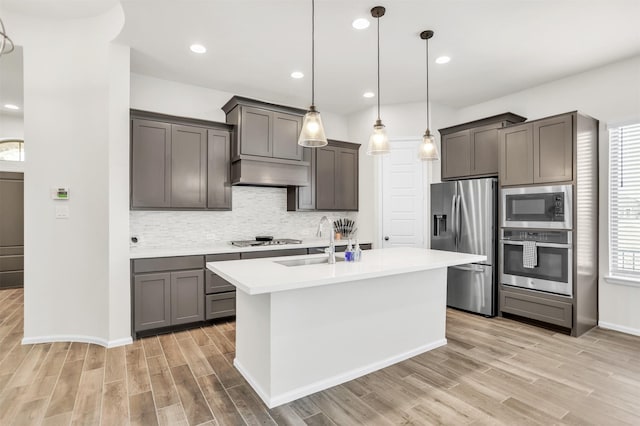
188, 166
286, 130
334, 179
179, 163
471, 149
456, 154
218, 170
264, 129
537, 152
150, 163
553, 149
516, 155
256, 132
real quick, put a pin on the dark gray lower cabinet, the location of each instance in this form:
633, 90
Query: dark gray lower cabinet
537, 307
220, 305
187, 296
152, 301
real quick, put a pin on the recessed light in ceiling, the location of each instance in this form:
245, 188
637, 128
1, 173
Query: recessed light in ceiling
368, 94
11, 106
198, 48
297, 74
442, 59
360, 24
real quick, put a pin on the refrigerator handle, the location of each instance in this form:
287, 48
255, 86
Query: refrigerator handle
458, 220
454, 221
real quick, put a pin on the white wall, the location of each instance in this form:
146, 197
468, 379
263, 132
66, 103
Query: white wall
71, 118
611, 94
403, 121
255, 211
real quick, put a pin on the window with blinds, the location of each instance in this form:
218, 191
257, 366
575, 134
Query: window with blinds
624, 200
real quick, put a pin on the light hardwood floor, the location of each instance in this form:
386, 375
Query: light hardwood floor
492, 371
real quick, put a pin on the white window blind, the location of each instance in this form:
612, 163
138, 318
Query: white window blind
624, 200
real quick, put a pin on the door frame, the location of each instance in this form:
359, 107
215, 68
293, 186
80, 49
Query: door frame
427, 179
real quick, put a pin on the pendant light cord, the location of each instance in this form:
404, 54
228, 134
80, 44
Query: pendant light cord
313, 52
427, 61
378, 19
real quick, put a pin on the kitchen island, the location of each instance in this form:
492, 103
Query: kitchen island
302, 327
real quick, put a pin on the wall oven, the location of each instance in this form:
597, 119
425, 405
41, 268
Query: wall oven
552, 272
546, 207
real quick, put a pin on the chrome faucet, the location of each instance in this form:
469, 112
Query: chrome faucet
331, 250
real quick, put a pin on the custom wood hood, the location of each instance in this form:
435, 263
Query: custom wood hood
264, 149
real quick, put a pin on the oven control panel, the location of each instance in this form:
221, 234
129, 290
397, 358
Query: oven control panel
556, 237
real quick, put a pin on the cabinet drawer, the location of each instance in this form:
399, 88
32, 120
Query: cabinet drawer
273, 253
11, 279
220, 305
222, 257
167, 264
216, 284
11, 263
537, 308
11, 251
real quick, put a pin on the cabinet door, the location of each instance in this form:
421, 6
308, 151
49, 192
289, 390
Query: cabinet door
256, 132
150, 164
286, 130
456, 155
187, 296
484, 150
219, 170
516, 155
188, 166
152, 301
306, 195
553, 149
347, 184
326, 164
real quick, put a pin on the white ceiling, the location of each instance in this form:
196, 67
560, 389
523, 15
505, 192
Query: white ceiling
497, 46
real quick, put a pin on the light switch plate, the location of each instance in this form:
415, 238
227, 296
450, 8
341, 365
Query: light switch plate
62, 212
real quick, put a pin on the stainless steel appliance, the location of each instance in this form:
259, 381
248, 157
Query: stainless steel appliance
547, 207
553, 272
254, 243
464, 219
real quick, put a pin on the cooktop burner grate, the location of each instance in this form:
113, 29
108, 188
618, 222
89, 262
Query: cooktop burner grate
276, 242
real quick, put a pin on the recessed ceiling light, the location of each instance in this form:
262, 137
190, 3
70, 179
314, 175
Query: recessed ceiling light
442, 59
368, 94
297, 74
198, 48
360, 24
11, 106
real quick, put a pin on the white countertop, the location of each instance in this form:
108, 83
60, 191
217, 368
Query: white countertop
222, 247
258, 276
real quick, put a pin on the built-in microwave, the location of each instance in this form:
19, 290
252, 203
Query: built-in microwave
547, 207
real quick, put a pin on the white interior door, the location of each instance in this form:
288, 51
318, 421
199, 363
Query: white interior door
402, 198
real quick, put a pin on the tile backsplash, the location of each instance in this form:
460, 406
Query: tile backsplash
256, 211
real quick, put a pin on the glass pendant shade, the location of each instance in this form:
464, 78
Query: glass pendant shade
428, 151
312, 134
379, 141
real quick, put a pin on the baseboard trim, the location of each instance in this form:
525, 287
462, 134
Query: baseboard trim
77, 338
620, 328
303, 391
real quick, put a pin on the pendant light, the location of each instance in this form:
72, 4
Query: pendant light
428, 151
312, 134
379, 141
6, 45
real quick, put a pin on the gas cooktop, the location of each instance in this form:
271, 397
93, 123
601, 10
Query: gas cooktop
255, 243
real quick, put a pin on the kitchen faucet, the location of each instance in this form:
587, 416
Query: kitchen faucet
331, 250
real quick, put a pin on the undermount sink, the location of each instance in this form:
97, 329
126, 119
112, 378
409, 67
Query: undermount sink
310, 261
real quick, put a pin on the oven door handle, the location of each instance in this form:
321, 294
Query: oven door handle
521, 243
468, 268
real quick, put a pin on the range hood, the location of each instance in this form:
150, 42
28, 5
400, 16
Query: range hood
264, 148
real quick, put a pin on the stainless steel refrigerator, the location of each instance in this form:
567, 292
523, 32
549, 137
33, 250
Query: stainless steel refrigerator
464, 219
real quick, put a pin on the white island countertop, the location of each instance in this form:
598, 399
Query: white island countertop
259, 276
221, 247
